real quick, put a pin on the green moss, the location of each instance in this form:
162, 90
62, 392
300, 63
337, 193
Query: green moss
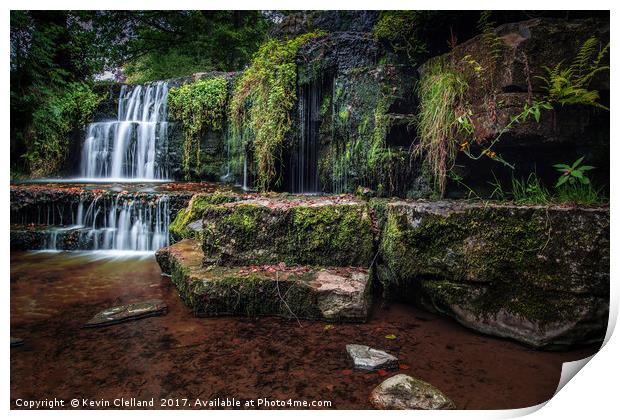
200, 106
194, 211
327, 235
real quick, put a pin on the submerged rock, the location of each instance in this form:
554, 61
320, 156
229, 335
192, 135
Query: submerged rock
402, 392
130, 312
366, 358
537, 274
330, 294
15, 341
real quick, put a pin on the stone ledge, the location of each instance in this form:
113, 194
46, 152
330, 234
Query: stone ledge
331, 294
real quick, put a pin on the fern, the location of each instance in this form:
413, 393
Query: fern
570, 85
487, 27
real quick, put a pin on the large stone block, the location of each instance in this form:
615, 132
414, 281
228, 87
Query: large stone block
537, 274
332, 294
315, 231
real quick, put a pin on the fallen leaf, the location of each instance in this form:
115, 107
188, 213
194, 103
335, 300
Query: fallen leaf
390, 337
328, 327
403, 366
347, 372
381, 372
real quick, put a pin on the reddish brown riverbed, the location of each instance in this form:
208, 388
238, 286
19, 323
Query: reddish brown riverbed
179, 356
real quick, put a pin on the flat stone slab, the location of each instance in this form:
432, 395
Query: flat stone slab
15, 341
403, 392
130, 312
331, 294
367, 358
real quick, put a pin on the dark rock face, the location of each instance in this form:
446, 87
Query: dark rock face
499, 91
403, 392
539, 275
327, 20
291, 292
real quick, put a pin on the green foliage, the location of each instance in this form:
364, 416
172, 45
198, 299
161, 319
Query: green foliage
200, 106
400, 28
530, 191
583, 194
262, 102
572, 174
170, 44
441, 93
570, 85
487, 28
52, 124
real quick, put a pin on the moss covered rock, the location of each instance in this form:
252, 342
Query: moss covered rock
536, 274
319, 231
188, 222
290, 292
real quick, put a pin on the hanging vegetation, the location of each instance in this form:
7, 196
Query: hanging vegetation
48, 138
200, 106
262, 102
441, 109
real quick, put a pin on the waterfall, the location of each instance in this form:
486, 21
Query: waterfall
127, 149
304, 174
118, 222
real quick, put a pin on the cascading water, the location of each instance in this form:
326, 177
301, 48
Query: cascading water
116, 222
131, 147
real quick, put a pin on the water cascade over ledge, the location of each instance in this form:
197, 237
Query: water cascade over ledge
133, 147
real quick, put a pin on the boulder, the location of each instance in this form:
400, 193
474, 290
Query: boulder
537, 274
403, 392
334, 231
366, 358
331, 294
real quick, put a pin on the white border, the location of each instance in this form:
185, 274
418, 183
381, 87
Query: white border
593, 394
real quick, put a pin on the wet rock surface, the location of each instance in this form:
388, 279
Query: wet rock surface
335, 294
130, 312
403, 392
16, 341
366, 358
539, 275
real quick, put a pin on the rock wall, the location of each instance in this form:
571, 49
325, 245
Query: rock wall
509, 77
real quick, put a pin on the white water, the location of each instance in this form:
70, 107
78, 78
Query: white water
127, 149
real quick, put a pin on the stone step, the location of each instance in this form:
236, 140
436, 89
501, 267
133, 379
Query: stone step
303, 292
334, 231
38, 237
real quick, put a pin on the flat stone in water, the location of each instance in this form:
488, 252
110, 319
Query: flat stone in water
128, 312
16, 341
403, 392
367, 358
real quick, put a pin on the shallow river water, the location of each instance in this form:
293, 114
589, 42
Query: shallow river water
179, 356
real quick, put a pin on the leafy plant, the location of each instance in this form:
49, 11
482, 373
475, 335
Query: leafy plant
200, 106
400, 29
262, 101
573, 173
570, 85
